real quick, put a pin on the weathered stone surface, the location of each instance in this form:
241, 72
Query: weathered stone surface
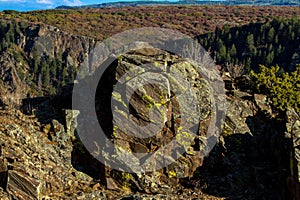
71, 122
253, 153
23, 187
183, 195
42, 41
293, 133
262, 103
12, 87
152, 105
43, 158
3, 166
238, 110
2, 104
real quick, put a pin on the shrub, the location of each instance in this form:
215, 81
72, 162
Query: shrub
282, 88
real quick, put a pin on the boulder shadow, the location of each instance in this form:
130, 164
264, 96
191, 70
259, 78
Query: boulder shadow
248, 166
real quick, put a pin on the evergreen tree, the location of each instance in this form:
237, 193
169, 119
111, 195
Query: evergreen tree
59, 70
45, 72
222, 54
53, 69
281, 88
270, 58
232, 51
64, 76
35, 62
271, 34
250, 43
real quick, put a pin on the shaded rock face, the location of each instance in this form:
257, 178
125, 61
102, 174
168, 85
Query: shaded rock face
253, 158
144, 116
293, 133
49, 41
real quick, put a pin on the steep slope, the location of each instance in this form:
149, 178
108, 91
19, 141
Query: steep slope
38, 60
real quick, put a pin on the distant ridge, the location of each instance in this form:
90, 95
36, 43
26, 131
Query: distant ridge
188, 2
126, 3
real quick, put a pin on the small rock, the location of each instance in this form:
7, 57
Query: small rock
22, 187
262, 103
3, 173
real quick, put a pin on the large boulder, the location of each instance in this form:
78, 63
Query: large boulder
157, 109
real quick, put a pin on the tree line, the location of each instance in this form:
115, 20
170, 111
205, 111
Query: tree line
270, 43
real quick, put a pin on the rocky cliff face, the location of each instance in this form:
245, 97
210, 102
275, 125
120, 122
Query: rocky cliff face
293, 133
13, 82
252, 160
35, 44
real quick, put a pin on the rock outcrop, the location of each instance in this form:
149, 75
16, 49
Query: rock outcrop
13, 82
255, 158
293, 133
149, 112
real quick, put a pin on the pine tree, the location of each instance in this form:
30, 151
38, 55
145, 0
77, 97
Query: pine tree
45, 72
59, 69
276, 39
53, 69
233, 51
64, 76
237, 34
35, 62
278, 51
250, 43
270, 58
271, 34
228, 58
248, 65
222, 54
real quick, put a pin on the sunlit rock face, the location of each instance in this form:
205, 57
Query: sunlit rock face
147, 109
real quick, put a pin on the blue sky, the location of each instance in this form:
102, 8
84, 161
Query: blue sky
26, 5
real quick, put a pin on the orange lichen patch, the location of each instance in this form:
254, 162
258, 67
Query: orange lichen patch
51, 142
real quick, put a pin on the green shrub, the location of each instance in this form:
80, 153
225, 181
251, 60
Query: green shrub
282, 88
